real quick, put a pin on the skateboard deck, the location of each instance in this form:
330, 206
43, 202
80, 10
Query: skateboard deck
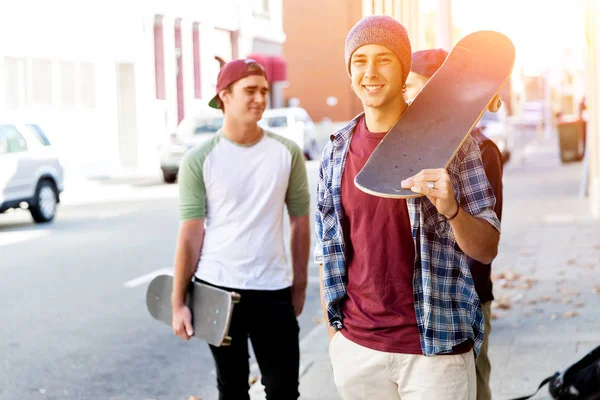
442, 115
211, 308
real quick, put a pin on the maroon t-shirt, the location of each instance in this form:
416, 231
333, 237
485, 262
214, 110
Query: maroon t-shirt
378, 310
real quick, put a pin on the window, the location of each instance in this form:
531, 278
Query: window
196, 54
68, 94
277, 122
41, 80
159, 59
88, 85
11, 140
39, 134
15, 82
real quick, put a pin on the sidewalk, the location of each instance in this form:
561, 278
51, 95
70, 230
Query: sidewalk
546, 282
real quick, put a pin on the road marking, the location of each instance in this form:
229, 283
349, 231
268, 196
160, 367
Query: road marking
148, 277
12, 237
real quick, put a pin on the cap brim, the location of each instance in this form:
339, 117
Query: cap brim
214, 102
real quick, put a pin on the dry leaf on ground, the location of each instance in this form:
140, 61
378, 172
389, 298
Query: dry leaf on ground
545, 299
501, 304
570, 314
566, 300
579, 304
572, 262
597, 290
252, 380
193, 398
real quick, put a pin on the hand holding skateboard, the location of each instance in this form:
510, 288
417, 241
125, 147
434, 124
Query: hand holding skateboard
182, 322
436, 185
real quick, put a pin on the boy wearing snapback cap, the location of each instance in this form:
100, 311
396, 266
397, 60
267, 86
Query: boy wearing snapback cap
404, 317
233, 190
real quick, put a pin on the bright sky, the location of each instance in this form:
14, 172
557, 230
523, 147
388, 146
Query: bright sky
540, 29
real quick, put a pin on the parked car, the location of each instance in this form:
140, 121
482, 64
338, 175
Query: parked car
190, 132
31, 175
495, 126
293, 123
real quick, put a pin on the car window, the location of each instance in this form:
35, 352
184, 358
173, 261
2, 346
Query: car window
277, 122
208, 126
11, 141
39, 134
200, 126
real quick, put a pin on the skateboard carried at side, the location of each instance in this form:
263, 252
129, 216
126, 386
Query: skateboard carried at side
440, 118
211, 308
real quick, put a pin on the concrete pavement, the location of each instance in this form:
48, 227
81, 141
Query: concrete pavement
547, 285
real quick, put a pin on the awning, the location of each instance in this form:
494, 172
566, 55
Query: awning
275, 66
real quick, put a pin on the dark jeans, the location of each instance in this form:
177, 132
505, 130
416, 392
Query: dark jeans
268, 319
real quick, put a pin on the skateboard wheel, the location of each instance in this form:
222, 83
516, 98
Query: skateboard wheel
495, 103
226, 341
235, 297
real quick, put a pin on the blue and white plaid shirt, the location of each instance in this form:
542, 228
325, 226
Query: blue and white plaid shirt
446, 304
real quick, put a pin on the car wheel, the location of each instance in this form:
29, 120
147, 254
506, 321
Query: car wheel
169, 177
43, 207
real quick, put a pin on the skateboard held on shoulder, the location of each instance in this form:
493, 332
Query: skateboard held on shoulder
440, 118
211, 308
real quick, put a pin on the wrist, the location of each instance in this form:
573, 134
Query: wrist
177, 303
454, 214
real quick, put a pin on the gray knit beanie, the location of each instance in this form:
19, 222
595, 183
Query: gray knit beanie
382, 30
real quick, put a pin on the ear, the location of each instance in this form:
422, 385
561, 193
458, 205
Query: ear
222, 94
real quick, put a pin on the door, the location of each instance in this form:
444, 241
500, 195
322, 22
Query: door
17, 168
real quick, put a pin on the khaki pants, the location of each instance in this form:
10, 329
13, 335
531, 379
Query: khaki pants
483, 367
361, 373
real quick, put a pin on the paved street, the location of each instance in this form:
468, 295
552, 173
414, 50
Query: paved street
72, 295
74, 323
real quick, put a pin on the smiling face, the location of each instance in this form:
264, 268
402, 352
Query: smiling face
376, 75
247, 99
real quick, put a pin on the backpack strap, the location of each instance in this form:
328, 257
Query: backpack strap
548, 379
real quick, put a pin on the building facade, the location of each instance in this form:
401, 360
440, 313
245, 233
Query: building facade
316, 32
110, 81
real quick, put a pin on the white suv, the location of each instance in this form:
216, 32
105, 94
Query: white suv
293, 123
30, 173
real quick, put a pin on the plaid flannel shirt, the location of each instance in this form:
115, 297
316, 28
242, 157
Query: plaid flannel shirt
447, 307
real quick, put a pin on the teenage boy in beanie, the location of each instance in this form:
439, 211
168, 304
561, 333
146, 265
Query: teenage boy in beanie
424, 64
233, 190
404, 317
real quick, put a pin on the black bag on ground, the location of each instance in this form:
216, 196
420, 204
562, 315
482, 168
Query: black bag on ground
581, 381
